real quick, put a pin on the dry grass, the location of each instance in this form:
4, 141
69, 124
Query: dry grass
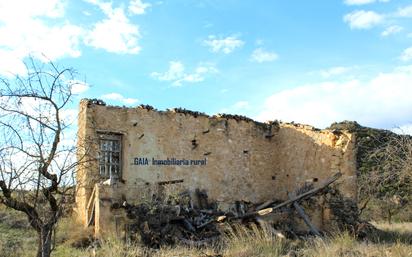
403, 228
244, 242
15, 236
69, 231
345, 245
395, 240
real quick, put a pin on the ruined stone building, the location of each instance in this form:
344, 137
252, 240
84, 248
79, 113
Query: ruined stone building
133, 152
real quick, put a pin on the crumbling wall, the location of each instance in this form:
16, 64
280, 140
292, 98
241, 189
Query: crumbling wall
305, 154
245, 160
86, 175
308, 155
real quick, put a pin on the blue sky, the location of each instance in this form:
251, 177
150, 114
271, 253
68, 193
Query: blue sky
312, 62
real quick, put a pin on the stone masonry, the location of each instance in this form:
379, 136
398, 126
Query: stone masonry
232, 158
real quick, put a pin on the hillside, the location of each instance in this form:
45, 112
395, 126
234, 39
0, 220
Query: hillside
383, 157
368, 140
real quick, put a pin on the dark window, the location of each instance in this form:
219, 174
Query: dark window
110, 156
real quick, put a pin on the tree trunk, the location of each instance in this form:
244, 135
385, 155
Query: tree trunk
389, 216
45, 241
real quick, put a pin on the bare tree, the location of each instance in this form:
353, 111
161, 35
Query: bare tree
36, 162
390, 181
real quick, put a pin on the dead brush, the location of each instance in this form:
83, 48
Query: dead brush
253, 240
345, 245
71, 232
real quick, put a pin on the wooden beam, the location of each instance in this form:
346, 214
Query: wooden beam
305, 217
304, 195
262, 210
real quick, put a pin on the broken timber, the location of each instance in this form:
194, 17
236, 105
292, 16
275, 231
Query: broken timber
305, 217
168, 223
262, 210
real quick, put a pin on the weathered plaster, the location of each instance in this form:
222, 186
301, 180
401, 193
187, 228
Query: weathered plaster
246, 160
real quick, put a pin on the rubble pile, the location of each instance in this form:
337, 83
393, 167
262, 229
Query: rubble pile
346, 214
177, 219
191, 219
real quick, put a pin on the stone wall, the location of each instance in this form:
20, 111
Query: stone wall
245, 160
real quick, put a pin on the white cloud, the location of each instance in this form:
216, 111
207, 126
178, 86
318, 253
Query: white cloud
22, 9
23, 30
259, 42
120, 98
115, 33
177, 75
11, 64
363, 19
391, 30
198, 75
406, 54
260, 55
361, 2
41, 29
78, 87
175, 72
239, 107
405, 11
69, 115
35, 107
358, 2
404, 129
334, 71
383, 101
138, 7
208, 25
225, 45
